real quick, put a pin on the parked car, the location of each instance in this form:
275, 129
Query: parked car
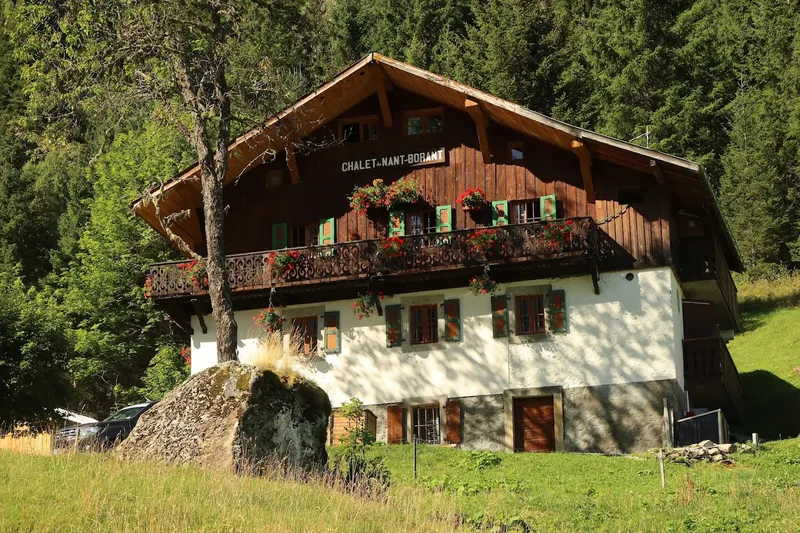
100, 435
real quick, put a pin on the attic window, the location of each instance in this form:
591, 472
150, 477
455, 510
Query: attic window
631, 195
274, 179
353, 130
425, 121
516, 151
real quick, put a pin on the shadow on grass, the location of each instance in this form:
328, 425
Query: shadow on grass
771, 405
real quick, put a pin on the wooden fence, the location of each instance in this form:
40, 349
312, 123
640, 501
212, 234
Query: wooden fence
26, 442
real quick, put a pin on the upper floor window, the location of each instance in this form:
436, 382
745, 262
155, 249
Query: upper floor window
424, 324
424, 121
274, 179
526, 211
420, 223
358, 129
516, 151
530, 316
304, 331
304, 235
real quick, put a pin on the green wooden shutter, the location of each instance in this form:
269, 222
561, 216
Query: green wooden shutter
397, 223
327, 231
280, 236
394, 326
332, 338
452, 321
500, 213
444, 218
499, 316
558, 312
547, 205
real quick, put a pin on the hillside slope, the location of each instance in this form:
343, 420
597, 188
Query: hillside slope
767, 355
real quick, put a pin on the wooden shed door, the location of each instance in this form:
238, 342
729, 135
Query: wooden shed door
534, 425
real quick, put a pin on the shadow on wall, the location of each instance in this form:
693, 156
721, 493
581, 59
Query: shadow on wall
772, 407
621, 337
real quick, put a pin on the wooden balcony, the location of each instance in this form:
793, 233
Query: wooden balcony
711, 376
431, 261
705, 276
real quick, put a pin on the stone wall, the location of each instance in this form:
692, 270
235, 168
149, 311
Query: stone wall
482, 423
617, 418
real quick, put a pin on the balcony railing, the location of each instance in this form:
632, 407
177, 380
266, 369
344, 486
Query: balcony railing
711, 375
703, 260
361, 259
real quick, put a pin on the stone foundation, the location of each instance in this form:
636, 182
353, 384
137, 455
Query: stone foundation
620, 418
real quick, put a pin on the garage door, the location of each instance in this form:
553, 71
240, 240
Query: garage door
534, 424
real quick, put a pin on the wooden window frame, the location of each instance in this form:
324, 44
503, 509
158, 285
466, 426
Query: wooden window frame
534, 202
516, 145
361, 121
426, 230
432, 412
424, 114
309, 338
310, 228
429, 326
269, 177
537, 321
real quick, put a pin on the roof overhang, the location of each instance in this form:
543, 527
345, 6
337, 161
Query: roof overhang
370, 74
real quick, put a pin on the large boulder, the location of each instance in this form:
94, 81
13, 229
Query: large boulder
234, 416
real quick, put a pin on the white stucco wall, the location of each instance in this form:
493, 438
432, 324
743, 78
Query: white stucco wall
630, 332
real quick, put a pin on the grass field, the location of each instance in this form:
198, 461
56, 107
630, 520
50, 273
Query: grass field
767, 354
556, 492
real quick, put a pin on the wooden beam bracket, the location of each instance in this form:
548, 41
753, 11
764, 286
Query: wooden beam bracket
383, 85
481, 124
199, 312
657, 171
585, 159
291, 162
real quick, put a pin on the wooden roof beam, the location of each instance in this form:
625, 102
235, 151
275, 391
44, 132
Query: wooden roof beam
481, 124
383, 86
291, 162
655, 168
585, 159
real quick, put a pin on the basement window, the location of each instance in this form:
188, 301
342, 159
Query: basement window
425, 424
304, 330
631, 195
530, 314
424, 324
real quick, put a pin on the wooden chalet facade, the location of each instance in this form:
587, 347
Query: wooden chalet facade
585, 337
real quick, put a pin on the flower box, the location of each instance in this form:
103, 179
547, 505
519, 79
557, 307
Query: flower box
473, 200
379, 195
487, 242
282, 263
196, 273
393, 249
558, 235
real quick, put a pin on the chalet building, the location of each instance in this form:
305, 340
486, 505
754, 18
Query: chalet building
612, 263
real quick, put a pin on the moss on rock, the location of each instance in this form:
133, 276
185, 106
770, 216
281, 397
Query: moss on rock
235, 416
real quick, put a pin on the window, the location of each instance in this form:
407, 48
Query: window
352, 130
304, 235
274, 179
421, 223
526, 211
516, 151
631, 195
424, 324
305, 331
425, 121
426, 424
530, 314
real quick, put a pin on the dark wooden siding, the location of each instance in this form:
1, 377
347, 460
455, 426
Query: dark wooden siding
643, 229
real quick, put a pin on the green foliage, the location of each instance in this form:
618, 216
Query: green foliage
34, 350
480, 460
167, 370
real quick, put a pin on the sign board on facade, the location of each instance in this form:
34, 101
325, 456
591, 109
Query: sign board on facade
414, 159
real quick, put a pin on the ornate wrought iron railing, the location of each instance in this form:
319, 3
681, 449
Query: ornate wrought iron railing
538, 241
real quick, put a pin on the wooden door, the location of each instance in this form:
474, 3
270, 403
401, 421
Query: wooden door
534, 424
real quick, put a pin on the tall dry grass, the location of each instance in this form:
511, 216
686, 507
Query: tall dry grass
780, 291
95, 492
